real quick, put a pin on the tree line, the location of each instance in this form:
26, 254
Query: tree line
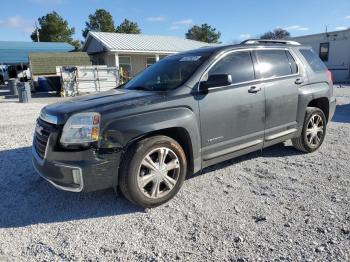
54, 28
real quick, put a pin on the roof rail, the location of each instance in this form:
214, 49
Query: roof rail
268, 41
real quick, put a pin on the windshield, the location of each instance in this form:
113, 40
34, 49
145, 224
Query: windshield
168, 73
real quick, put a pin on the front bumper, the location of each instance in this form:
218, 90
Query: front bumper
78, 171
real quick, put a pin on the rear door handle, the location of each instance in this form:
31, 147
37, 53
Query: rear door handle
254, 89
299, 81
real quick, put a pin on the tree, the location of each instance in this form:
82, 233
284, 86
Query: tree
100, 21
53, 28
278, 33
204, 33
128, 27
77, 45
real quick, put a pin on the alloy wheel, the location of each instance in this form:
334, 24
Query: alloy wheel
158, 172
315, 130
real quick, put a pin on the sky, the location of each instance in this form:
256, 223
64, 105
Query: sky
236, 20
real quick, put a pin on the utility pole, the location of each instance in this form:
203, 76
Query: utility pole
37, 33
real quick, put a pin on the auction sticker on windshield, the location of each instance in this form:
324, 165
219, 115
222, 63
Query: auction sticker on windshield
190, 58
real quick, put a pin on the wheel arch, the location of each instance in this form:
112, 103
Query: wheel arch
321, 103
179, 134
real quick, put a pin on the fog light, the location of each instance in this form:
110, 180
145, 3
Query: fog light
76, 176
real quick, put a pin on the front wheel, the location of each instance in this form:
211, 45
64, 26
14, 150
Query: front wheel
314, 131
153, 171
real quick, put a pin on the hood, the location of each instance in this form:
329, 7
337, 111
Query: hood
115, 99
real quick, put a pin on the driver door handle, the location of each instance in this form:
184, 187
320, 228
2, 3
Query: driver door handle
254, 89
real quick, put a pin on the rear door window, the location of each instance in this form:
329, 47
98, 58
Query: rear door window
274, 63
314, 61
238, 64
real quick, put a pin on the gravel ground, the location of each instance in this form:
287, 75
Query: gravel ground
277, 205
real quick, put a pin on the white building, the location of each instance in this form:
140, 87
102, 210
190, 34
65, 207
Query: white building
133, 52
334, 49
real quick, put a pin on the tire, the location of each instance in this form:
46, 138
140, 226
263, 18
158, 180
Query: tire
148, 181
313, 134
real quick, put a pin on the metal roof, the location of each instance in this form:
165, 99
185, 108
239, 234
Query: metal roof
17, 52
142, 43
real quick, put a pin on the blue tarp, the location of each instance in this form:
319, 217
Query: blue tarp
17, 52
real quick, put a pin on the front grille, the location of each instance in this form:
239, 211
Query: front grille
41, 136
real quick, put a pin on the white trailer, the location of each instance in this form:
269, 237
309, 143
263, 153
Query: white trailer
79, 80
334, 49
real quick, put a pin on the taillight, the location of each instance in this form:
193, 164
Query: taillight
330, 81
330, 77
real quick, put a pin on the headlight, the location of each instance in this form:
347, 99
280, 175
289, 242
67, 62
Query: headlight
81, 128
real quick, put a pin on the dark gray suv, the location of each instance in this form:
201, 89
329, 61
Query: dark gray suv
186, 112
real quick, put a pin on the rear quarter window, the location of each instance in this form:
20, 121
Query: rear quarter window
313, 60
292, 63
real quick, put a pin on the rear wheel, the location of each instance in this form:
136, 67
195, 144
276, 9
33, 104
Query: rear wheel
314, 131
153, 171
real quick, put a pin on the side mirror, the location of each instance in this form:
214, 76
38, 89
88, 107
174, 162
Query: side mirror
217, 80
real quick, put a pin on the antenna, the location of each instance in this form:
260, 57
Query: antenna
37, 33
327, 31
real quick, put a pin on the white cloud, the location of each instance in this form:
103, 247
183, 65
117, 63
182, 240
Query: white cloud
304, 29
176, 25
244, 35
340, 28
156, 18
347, 17
17, 22
182, 22
296, 27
